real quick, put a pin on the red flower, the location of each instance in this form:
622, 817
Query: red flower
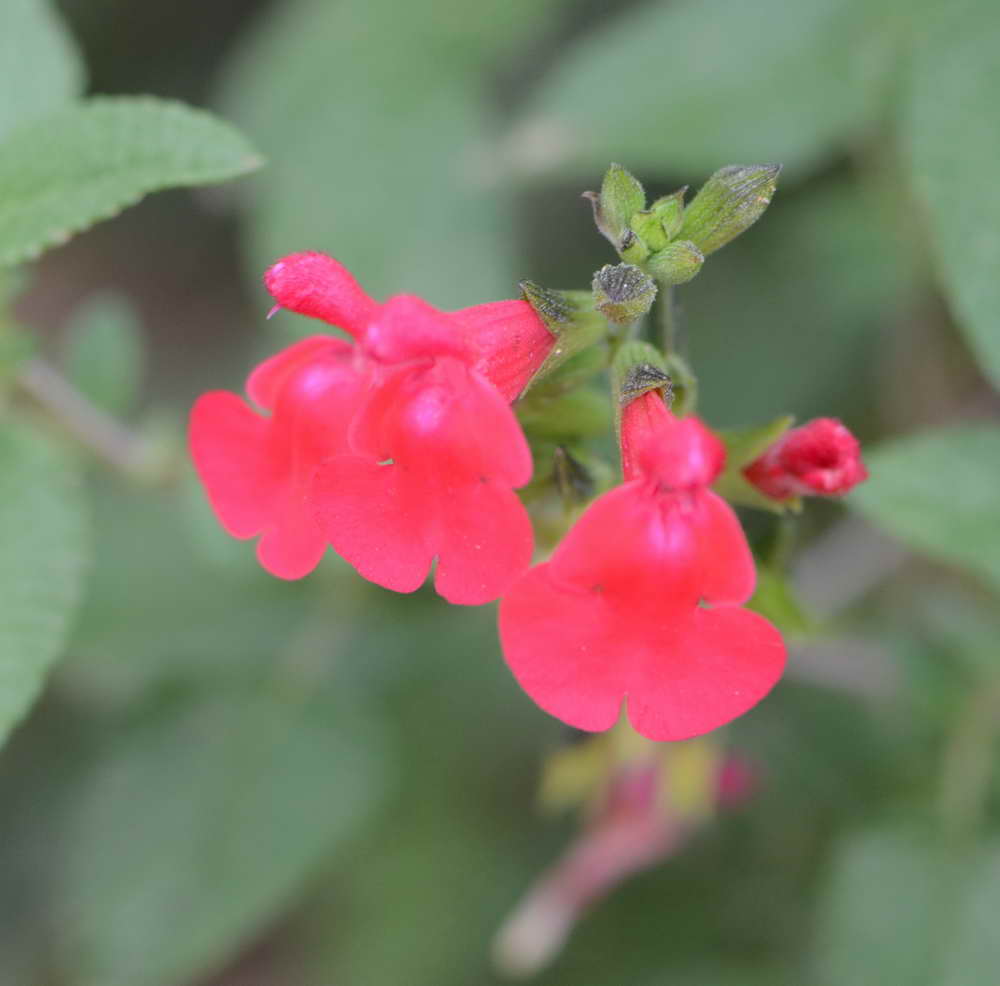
258, 470
820, 458
435, 451
616, 614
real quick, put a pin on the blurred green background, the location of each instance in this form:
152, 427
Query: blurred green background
233, 780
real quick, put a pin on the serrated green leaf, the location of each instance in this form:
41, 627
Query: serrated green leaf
721, 81
73, 168
44, 538
40, 68
952, 139
937, 492
104, 351
199, 827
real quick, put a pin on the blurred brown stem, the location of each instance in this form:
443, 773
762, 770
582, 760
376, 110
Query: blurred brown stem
103, 435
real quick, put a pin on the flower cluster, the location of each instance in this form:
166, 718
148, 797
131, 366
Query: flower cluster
396, 449
617, 613
395, 443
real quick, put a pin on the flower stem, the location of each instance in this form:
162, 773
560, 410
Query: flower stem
98, 431
666, 308
968, 764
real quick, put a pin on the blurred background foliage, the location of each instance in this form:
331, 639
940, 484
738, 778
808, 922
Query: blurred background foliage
235, 780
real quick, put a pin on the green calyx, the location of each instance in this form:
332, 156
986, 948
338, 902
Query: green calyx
729, 203
623, 294
638, 368
570, 316
669, 240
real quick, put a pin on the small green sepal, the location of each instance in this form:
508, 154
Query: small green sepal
621, 196
684, 385
647, 226
731, 201
623, 293
570, 317
638, 368
677, 263
743, 446
669, 212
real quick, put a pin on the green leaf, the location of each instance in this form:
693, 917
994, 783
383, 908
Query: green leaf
786, 318
44, 538
694, 84
775, 600
199, 827
974, 954
40, 68
104, 351
394, 176
879, 918
952, 140
69, 170
937, 492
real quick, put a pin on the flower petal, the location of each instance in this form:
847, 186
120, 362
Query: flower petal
377, 519
727, 573
444, 419
229, 447
560, 643
266, 382
511, 343
698, 676
484, 542
318, 286
408, 328
634, 544
294, 545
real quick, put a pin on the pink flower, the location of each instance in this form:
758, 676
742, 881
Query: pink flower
820, 458
258, 470
617, 614
396, 451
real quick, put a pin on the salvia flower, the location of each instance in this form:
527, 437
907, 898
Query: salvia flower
258, 469
820, 458
640, 603
413, 454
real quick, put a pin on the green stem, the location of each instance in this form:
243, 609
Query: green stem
103, 435
666, 308
968, 764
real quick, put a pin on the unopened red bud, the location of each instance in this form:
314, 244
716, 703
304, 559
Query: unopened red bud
820, 458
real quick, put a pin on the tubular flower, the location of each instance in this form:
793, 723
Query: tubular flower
258, 470
616, 615
433, 451
820, 458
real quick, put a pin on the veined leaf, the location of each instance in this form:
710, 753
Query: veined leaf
66, 171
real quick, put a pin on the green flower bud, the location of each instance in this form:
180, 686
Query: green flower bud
676, 263
646, 225
623, 294
731, 201
669, 212
621, 198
